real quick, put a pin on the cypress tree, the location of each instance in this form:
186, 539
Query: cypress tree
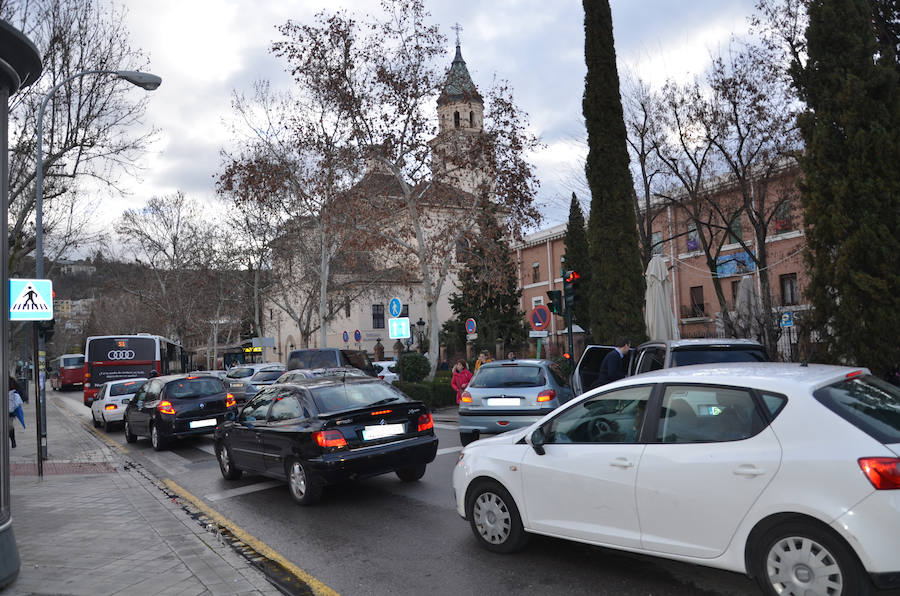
578, 259
851, 185
617, 282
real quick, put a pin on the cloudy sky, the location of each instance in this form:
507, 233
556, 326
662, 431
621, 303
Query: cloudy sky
206, 49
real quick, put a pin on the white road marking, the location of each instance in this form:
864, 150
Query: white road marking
448, 450
234, 492
446, 426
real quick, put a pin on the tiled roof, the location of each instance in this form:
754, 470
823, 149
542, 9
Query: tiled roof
458, 85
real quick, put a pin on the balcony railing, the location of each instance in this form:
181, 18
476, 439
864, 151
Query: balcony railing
695, 311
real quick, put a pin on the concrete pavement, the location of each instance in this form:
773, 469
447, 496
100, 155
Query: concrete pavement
98, 523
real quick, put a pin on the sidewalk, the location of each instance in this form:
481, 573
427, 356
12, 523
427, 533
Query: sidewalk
95, 524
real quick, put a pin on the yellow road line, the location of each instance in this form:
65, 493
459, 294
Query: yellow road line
262, 548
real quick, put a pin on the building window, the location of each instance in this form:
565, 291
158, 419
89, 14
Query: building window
698, 307
693, 240
735, 232
789, 294
783, 217
377, 316
656, 245
535, 273
347, 308
456, 119
471, 119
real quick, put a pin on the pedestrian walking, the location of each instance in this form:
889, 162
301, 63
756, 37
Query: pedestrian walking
483, 358
15, 410
461, 377
511, 356
613, 366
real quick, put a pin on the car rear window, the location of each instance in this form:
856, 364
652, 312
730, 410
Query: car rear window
199, 387
267, 375
125, 388
866, 402
349, 396
240, 373
313, 359
687, 357
508, 376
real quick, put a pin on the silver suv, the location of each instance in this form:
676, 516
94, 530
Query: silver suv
509, 394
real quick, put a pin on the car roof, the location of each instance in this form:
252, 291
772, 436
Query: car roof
529, 361
170, 378
261, 365
777, 377
311, 383
704, 342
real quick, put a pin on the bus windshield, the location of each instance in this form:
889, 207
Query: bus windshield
72, 361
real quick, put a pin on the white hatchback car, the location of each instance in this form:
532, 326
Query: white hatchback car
383, 370
108, 408
788, 473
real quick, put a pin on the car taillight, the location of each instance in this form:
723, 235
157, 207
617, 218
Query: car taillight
229, 400
330, 438
546, 395
165, 407
882, 472
426, 422
381, 377
466, 397
110, 407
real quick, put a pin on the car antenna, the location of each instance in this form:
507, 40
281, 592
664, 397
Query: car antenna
812, 352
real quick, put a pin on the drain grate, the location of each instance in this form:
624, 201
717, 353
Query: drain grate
62, 467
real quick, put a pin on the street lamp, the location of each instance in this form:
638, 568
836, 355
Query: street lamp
144, 80
420, 333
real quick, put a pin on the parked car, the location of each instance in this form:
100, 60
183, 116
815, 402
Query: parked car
331, 358
383, 371
108, 407
215, 373
787, 473
244, 381
292, 376
176, 406
323, 430
508, 394
655, 355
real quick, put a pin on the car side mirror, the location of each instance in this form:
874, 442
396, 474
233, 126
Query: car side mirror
537, 441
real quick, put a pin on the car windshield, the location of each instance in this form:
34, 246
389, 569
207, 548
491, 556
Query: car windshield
686, 357
312, 359
349, 396
199, 387
508, 376
868, 403
240, 373
125, 388
267, 375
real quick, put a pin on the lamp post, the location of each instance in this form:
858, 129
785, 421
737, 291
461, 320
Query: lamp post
420, 332
145, 80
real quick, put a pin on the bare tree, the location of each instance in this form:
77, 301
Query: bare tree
89, 124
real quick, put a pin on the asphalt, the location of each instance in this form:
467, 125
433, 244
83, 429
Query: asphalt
98, 523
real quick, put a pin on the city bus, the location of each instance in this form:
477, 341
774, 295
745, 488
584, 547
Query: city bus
67, 371
114, 357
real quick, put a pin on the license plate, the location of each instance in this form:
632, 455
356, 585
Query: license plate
237, 384
203, 423
503, 401
380, 431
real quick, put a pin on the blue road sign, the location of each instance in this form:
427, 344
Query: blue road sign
357, 336
346, 337
470, 326
787, 319
395, 307
398, 328
30, 300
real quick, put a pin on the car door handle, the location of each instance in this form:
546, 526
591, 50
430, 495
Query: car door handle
748, 470
621, 462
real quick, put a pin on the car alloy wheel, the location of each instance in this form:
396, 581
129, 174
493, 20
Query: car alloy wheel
156, 439
492, 518
226, 463
129, 436
495, 519
303, 490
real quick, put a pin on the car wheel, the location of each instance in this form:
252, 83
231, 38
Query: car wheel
303, 487
466, 438
94, 419
411, 474
799, 558
495, 519
129, 437
156, 439
226, 462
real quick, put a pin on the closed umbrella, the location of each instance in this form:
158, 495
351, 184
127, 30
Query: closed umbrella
746, 307
658, 311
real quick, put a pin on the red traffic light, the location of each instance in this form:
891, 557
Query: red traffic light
566, 356
572, 276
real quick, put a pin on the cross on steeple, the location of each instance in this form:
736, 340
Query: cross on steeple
457, 27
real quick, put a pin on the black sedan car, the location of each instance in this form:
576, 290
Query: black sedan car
319, 431
176, 406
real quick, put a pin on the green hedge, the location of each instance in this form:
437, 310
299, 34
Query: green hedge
433, 395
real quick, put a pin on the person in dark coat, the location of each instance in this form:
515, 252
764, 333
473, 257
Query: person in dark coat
613, 366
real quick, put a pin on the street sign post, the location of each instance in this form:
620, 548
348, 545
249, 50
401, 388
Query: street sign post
346, 337
470, 326
398, 328
787, 319
395, 307
357, 337
539, 319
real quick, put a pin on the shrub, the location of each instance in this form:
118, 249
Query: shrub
433, 395
414, 367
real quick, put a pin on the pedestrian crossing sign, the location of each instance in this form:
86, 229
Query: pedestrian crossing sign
30, 300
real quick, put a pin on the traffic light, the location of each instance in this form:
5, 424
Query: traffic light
556, 301
570, 284
45, 329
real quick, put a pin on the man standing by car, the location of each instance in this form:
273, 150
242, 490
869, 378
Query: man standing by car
612, 368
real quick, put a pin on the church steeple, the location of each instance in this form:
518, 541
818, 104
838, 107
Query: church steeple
460, 106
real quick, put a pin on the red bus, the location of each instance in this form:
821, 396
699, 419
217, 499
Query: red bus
67, 371
114, 357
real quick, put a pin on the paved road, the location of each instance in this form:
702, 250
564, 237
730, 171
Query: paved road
383, 536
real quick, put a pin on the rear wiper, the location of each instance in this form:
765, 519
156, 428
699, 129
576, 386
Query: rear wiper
386, 400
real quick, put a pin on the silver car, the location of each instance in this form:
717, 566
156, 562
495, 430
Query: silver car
245, 380
509, 394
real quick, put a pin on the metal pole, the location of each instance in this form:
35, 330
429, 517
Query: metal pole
39, 407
